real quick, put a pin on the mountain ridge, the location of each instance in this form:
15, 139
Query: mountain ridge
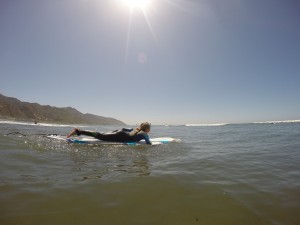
13, 109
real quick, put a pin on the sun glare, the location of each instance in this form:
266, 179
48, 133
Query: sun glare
137, 4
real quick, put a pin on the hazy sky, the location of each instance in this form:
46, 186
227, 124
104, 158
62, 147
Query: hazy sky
172, 62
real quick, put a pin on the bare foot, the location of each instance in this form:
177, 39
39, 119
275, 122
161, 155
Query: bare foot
73, 132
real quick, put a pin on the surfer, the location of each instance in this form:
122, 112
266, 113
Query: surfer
124, 135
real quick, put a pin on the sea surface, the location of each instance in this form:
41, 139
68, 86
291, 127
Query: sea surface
227, 174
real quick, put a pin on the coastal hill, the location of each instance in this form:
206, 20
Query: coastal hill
14, 109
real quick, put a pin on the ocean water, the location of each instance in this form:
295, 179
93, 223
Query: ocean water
225, 174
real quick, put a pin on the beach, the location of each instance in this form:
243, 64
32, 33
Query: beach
218, 174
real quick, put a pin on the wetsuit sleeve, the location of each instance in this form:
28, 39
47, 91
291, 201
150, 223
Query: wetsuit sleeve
146, 137
127, 129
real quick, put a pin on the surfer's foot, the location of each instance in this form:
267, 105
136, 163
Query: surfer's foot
73, 132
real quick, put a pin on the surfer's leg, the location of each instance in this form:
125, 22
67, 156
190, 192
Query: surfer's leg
100, 136
106, 137
73, 132
78, 132
88, 133
119, 136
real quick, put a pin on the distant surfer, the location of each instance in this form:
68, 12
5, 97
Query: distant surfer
124, 135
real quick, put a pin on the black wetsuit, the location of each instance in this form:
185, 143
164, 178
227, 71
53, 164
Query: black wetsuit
124, 135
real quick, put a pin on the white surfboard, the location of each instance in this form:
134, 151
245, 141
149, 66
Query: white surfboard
91, 140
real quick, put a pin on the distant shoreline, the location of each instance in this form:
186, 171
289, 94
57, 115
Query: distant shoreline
44, 123
264, 122
30, 123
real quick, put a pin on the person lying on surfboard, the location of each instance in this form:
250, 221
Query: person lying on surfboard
124, 135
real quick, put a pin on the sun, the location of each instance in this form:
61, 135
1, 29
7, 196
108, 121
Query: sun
138, 9
136, 4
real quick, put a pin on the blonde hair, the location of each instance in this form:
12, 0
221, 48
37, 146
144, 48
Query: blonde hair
144, 126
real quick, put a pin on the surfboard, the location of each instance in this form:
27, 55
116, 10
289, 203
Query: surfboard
91, 140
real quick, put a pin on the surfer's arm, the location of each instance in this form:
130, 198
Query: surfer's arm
146, 137
127, 129
123, 129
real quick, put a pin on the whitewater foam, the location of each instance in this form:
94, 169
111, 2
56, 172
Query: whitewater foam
278, 121
38, 124
205, 125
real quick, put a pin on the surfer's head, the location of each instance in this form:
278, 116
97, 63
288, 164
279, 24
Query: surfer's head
146, 127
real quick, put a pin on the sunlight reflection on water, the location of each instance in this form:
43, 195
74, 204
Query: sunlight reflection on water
218, 175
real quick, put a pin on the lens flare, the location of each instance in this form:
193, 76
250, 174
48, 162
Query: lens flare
138, 4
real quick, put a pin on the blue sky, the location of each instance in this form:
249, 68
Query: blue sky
174, 62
